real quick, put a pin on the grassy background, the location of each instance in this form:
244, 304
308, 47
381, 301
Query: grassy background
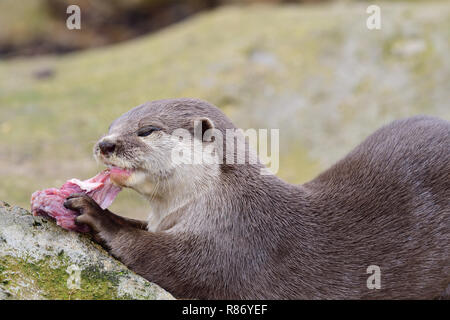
315, 72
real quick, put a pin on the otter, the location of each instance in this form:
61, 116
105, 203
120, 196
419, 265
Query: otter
226, 231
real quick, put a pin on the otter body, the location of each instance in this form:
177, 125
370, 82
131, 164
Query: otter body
222, 231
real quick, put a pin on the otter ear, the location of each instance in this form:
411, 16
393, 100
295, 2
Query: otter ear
201, 125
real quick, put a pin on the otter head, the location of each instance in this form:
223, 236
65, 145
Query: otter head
142, 144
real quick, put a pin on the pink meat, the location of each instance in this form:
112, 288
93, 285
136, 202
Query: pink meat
49, 202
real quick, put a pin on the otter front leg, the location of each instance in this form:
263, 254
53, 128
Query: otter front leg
100, 220
155, 256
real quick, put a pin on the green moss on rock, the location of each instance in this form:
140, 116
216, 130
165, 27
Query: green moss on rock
39, 260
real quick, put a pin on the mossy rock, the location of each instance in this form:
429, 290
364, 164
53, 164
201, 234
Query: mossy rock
39, 260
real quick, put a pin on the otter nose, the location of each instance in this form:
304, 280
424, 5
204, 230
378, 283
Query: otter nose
107, 147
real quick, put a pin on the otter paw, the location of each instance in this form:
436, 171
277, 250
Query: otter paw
82, 203
90, 212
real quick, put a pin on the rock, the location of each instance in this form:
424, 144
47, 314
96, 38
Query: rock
39, 260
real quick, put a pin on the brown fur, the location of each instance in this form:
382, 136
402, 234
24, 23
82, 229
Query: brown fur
257, 237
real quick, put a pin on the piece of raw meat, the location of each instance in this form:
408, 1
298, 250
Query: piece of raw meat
50, 202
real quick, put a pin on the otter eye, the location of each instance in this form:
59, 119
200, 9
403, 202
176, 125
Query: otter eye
146, 131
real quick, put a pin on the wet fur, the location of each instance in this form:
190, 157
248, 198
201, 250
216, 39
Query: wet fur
242, 235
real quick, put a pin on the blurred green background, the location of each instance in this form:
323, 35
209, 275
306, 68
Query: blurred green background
311, 69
